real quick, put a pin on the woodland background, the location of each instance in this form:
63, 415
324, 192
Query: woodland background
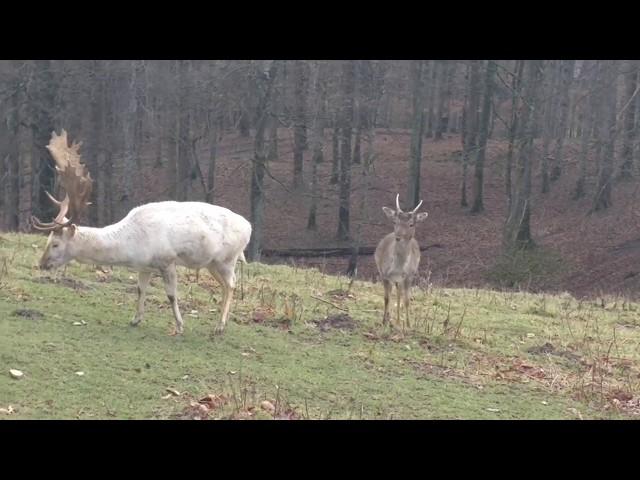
528, 168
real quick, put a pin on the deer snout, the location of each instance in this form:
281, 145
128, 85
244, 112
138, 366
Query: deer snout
44, 265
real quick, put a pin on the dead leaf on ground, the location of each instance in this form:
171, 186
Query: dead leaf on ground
173, 392
16, 373
267, 406
212, 401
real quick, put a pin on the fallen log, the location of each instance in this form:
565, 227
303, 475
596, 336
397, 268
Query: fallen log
328, 252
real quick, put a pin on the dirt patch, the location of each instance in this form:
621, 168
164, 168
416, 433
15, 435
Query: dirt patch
549, 349
67, 282
341, 294
27, 313
342, 321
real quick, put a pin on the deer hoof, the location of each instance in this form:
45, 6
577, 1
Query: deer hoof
135, 322
219, 329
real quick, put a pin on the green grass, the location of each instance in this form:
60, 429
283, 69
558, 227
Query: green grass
467, 355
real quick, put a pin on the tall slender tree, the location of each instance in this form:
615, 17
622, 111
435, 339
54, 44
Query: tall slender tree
346, 120
417, 126
299, 131
483, 131
264, 77
602, 199
517, 231
631, 86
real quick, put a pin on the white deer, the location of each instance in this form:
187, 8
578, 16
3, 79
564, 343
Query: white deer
155, 237
397, 256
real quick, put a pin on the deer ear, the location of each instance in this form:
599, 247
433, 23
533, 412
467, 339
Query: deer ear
422, 216
389, 212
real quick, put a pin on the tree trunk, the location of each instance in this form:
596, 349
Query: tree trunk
130, 165
549, 105
417, 126
444, 96
628, 139
566, 79
588, 119
464, 136
274, 122
11, 192
516, 86
264, 86
335, 159
316, 82
604, 189
171, 127
367, 108
472, 119
213, 129
25, 155
346, 120
97, 111
183, 143
42, 108
483, 129
358, 136
517, 232
299, 134
432, 97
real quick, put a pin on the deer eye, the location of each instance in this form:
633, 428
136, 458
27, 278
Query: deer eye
55, 245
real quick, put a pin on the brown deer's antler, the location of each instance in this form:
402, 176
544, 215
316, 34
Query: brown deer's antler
75, 179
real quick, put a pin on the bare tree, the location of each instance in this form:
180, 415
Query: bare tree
517, 232
264, 75
516, 86
602, 199
299, 132
589, 116
214, 119
444, 94
483, 129
471, 119
318, 87
130, 162
549, 104
346, 121
417, 126
629, 133
566, 73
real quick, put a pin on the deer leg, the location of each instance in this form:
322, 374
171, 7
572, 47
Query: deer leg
399, 292
406, 291
216, 275
227, 278
387, 293
143, 282
170, 278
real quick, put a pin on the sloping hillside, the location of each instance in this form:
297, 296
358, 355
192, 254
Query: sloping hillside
302, 344
594, 253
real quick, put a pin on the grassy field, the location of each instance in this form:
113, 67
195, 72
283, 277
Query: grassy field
302, 344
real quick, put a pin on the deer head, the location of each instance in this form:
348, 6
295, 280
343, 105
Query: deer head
404, 222
77, 183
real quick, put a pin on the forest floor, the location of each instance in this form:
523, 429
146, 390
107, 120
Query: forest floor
303, 344
586, 254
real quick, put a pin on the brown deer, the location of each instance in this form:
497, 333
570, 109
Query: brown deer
398, 256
